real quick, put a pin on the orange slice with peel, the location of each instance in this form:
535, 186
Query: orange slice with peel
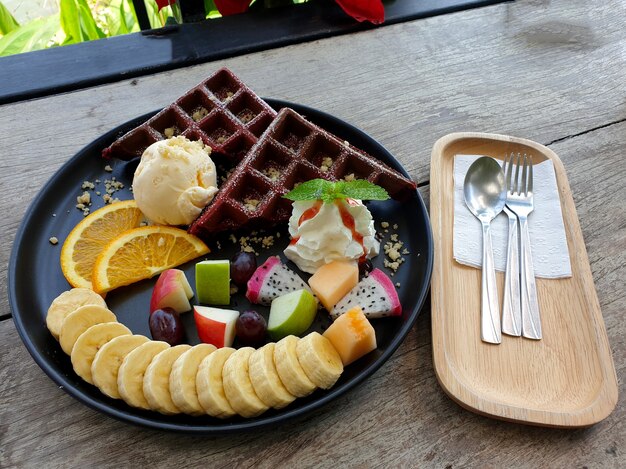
141, 253
91, 235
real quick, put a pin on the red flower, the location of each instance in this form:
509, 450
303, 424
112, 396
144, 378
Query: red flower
164, 3
364, 10
232, 7
361, 10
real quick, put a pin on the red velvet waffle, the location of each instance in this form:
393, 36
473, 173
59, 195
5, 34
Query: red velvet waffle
221, 111
292, 150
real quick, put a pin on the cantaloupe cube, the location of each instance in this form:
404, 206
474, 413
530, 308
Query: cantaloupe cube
333, 281
352, 335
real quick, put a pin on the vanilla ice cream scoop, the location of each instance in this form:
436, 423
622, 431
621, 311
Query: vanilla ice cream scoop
174, 181
322, 232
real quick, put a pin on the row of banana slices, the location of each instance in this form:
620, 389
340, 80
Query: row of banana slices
194, 380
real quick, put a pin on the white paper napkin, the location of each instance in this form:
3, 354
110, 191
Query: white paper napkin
545, 225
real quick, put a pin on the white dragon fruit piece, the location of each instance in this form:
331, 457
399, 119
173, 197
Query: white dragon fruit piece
271, 280
376, 296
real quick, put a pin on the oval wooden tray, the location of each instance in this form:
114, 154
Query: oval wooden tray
567, 379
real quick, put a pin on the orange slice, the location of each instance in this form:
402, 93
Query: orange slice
91, 235
141, 253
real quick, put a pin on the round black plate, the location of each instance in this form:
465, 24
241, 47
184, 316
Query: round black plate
35, 279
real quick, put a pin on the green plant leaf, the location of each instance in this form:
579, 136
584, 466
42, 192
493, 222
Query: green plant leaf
156, 19
88, 26
34, 35
320, 189
70, 22
309, 190
77, 22
120, 18
7, 22
210, 9
364, 190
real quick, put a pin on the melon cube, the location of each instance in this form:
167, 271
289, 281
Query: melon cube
333, 281
213, 282
352, 335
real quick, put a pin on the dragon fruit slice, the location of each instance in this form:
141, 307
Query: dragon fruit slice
271, 280
375, 294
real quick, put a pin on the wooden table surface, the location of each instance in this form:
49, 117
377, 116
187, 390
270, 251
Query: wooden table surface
551, 71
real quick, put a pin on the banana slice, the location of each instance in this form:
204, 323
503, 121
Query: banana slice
289, 369
210, 386
68, 302
88, 344
237, 386
106, 364
79, 321
265, 380
319, 360
156, 381
132, 370
183, 378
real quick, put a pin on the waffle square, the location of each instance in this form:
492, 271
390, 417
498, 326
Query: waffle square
221, 111
292, 150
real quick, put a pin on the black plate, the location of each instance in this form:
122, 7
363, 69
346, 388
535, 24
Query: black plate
35, 279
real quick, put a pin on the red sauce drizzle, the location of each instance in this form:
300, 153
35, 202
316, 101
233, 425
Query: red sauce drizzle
307, 215
348, 221
310, 212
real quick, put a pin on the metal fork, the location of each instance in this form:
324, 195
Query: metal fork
519, 199
511, 313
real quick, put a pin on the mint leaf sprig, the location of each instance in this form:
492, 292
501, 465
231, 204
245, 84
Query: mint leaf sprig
327, 191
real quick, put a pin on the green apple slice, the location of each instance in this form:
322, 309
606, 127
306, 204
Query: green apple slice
213, 282
291, 314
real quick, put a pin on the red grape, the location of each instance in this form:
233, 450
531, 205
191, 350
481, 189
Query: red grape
251, 328
165, 325
242, 266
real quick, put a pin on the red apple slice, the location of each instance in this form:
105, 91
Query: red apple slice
215, 326
172, 290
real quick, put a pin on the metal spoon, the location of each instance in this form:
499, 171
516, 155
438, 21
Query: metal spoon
485, 196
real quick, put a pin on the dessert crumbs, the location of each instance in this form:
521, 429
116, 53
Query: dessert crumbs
108, 168
199, 114
253, 243
394, 249
53, 240
327, 162
272, 173
233, 289
349, 177
251, 204
170, 132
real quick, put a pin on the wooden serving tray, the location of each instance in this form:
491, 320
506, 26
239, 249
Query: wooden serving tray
567, 379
